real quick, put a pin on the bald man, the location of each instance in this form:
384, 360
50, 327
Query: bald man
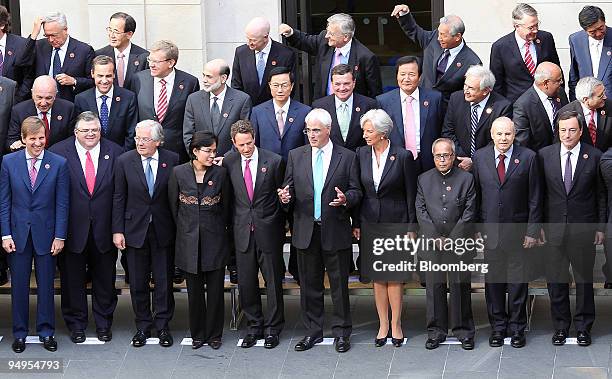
56, 114
254, 60
535, 111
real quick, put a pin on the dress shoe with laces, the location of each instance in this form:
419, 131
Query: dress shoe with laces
497, 339
3, 277
518, 340
584, 338
558, 339
140, 338
196, 344
215, 344
397, 342
467, 344
342, 344
19, 345
233, 274
165, 338
271, 341
307, 343
380, 342
250, 340
608, 285
77, 336
104, 334
434, 343
49, 343
177, 276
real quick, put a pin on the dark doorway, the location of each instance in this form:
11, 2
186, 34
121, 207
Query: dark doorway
13, 8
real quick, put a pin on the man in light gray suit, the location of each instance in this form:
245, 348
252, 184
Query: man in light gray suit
216, 107
7, 99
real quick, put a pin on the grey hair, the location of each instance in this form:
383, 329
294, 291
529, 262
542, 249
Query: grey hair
86, 116
380, 120
346, 23
319, 114
586, 87
487, 79
157, 131
455, 24
521, 10
58, 17
542, 74
440, 140
168, 47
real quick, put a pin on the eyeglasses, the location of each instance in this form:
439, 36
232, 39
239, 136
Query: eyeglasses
208, 151
143, 139
441, 157
558, 81
316, 132
531, 28
53, 35
114, 32
276, 86
88, 131
151, 61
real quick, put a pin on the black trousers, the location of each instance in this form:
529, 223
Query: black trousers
607, 266
151, 258
206, 309
273, 270
313, 262
73, 276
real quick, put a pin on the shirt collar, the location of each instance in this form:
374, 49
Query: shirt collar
3, 40
346, 49
507, 154
169, 78
253, 158
521, 42
592, 41
455, 50
285, 107
542, 95
326, 149
404, 96
585, 110
64, 47
82, 150
220, 96
38, 111
266, 49
575, 151
155, 156
348, 102
482, 102
28, 156
126, 52
109, 93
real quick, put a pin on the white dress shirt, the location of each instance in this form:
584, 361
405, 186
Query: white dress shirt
109, 101
157, 87
345, 51
285, 109
154, 163
265, 50
252, 165
327, 153
126, 57
62, 54
453, 54
545, 102
507, 154
521, 45
481, 108
595, 51
39, 113
416, 109
587, 117
377, 169
220, 98
3, 47
573, 159
349, 103
82, 152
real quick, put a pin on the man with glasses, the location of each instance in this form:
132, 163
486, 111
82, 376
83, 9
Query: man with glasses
128, 58
60, 56
89, 246
255, 60
591, 50
515, 56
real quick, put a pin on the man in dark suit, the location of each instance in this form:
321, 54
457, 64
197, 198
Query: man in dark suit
62, 57
11, 45
591, 50
446, 56
534, 112
346, 108
322, 184
510, 200
161, 94
7, 96
128, 58
143, 226
115, 106
254, 61
34, 202
89, 246
418, 126
471, 113
333, 46
514, 57
57, 114
259, 233
216, 107
575, 216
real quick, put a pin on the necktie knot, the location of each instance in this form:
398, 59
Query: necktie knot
121, 55
338, 53
104, 97
162, 82
261, 55
248, 161
410, 99
57, 49
502, 157
527, 44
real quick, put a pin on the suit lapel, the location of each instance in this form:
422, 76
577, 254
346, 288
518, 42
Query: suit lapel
48, 54
75, 162
272, 118
490, 162
582, 160
290, 118
177, 92
238, 178
137, 163
308, 166
354, 131
513, 164
115, 107
70, 56
486, 113
325, 69
104, 163
163, 172
42, 172
262, 170
25, 165
9, 54
397, 110
92, 103
388, 164
132, 65
333, 165
606, 55
453, 68
516, 51
228, 103
423, 112
367, 167
538, 48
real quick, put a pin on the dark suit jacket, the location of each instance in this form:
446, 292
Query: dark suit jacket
431, 116
202, 219
264, 213
581, 65
7, 99
90, 212
133, 207
361, 59
244, 71
457, 124
42, 211
267, 136
136, 62
60, 122
184, 85
77, 63
604, 124
585, 205
533, 127
394, 200
236, 106
354, 137
123, 115
453, 78
516, 201
336, 233
512, 78
15, 68
605, 168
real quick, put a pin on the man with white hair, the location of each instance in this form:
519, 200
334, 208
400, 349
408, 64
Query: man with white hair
471, 112
333, 46
60, 56
254, 60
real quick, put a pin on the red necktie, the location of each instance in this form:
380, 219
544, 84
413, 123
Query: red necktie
529, 60
45, 121
593, 128
162, 103
501, 168
90, 173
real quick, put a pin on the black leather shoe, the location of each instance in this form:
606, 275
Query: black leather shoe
607, 285
178, 277
77, 336
140, 338
271, 341
558, 339
19, 345
215, 344
250, 340
233, 276
380, 342
165, 338
397, 342
497, 339
584, 338
307, 343
342, 344
196, 344
49, 343
3, 277
434, 343
467, 344
518, 340
104, 334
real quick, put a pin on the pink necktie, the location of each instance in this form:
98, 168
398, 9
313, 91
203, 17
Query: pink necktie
90, 173
162, 104
410, 128
248, 180
280, 122
529, 60
120, 69
33, 172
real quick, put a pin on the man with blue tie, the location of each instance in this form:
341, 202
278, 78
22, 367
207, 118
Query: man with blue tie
34, 201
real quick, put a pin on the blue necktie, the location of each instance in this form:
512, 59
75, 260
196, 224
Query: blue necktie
149, 176
261, 66
317, 178
57, 64
104, 114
